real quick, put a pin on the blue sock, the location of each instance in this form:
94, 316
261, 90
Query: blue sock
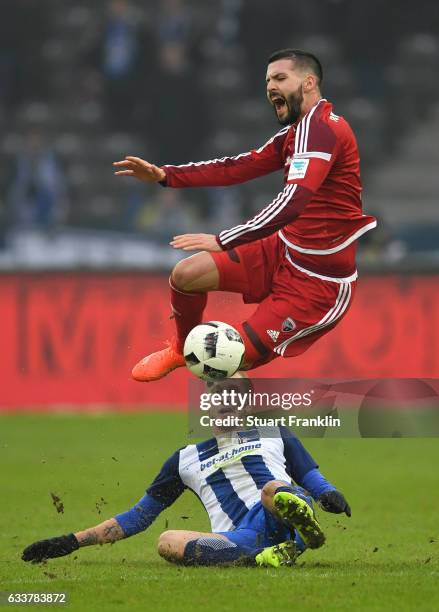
215, 551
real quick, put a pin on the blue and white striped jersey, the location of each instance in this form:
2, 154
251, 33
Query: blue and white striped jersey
228, 473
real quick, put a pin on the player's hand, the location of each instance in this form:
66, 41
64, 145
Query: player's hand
334, 501
196, 242
139, 169
48, 549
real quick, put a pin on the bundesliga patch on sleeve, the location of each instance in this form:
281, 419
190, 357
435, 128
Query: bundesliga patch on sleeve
298, 168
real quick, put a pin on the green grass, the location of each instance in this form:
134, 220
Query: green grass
385, 557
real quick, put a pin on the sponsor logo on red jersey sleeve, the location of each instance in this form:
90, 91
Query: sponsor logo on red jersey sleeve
298, 168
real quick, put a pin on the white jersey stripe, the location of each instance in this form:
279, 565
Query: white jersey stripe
302, 132
317, 154
299, 133
302, 136
271, 212
335, 249
308, 119
345, 288
209, 161
345, 279
332, 314
263, 218
261, 214
297, 138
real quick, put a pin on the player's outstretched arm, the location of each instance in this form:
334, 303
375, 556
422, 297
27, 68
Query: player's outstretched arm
164, 490
211, 173
140, 169
107, 532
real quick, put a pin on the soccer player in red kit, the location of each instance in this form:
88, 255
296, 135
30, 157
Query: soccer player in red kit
296, 257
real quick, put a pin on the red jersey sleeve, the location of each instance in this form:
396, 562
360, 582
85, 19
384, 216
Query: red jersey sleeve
315, 150
230, 170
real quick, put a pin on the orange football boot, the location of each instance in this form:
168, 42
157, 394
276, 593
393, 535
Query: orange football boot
158, 364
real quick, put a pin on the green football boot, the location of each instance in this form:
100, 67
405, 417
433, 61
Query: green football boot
283, 554
296, 513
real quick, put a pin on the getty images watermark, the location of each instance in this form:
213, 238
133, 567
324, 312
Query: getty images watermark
315, 408
229, 406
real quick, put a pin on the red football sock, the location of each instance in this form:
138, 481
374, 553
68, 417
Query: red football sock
187, 309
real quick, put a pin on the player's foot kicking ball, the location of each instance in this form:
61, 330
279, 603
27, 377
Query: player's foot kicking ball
298, 515
158, 364
285, 553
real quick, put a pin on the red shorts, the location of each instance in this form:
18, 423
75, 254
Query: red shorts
295, 308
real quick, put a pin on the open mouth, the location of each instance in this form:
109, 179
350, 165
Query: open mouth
279, 103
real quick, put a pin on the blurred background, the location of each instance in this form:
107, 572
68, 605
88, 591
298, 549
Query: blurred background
85, 83
84, 255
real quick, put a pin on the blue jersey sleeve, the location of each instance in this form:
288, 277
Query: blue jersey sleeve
139, 517
316, 484
168, 485
301, 466
298, 459
164, 490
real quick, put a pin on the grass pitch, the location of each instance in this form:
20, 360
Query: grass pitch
385, 557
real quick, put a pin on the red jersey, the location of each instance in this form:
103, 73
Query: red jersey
318, 215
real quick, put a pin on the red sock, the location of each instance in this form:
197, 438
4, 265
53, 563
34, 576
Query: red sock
187, 309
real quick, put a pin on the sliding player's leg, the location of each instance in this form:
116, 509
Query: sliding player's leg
265, 539
196, 548
291, 506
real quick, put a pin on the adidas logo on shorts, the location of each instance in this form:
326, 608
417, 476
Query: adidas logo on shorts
274, 335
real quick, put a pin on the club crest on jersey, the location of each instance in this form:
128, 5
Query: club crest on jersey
248, 436
288, 325
298, 168
274, 335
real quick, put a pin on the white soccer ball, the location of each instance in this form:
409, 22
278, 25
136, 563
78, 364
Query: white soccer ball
213, 350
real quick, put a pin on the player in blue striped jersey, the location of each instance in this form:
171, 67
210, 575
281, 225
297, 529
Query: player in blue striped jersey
256, 490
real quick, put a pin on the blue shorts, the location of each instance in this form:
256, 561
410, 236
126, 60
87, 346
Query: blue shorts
257, 530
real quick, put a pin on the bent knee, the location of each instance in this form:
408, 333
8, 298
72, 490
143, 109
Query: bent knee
269, 489
197, 274
166, 544
183, 274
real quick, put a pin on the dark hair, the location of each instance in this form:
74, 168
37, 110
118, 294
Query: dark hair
303, 59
